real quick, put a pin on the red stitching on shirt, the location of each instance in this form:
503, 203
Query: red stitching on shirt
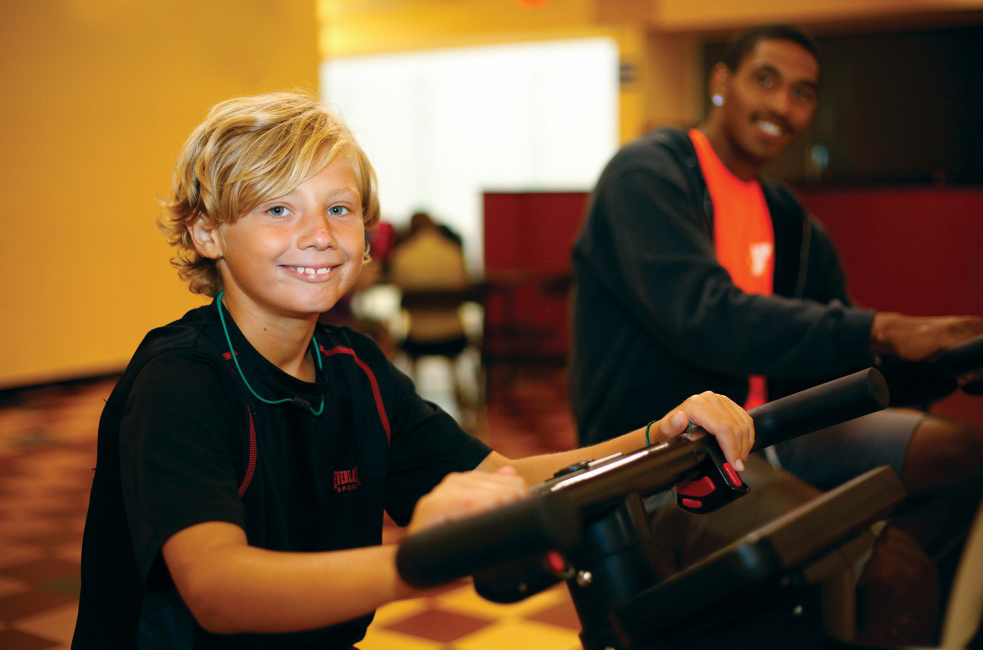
376, 394
252, 454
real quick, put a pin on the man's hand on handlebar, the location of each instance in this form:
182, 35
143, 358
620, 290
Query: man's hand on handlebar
461, 494
920, 337
717, 415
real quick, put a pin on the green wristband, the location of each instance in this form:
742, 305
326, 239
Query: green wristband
647, 442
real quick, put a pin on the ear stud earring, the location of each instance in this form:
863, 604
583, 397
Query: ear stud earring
717, 99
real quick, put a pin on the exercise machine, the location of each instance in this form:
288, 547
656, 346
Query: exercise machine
587, 526
786, 584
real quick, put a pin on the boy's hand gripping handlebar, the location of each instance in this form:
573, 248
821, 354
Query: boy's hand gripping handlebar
445, 552
551, 519
715, 483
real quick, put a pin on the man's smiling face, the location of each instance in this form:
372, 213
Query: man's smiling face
768, 100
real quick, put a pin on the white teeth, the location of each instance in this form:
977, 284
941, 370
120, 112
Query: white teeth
770, 128
304, 270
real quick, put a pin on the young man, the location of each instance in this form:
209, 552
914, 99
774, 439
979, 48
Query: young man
247, 454
694, 273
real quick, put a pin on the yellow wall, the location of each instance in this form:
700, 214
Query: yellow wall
97, 98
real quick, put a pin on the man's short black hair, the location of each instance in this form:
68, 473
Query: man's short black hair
744, 42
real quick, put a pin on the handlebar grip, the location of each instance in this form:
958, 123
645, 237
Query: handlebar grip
821, 406
962, 358
443, 553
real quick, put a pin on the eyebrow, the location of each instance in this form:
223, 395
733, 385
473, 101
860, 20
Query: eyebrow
341, 191
344, 190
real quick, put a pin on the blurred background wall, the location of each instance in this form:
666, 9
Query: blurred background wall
98, 96
96, 99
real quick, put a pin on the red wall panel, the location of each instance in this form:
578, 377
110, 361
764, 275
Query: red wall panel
916, 251
913, 250
531, 231
528, 237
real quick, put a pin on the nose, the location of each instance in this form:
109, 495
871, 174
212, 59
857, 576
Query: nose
317, 233
780, 101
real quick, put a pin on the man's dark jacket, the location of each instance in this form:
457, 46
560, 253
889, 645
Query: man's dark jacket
657, 319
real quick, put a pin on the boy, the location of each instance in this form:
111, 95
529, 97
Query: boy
247, 454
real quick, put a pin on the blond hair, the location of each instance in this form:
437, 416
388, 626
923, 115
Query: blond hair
249, 150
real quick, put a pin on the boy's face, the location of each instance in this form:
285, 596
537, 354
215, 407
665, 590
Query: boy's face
769, 99
298, 254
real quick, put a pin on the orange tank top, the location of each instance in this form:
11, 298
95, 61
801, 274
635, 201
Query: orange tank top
743, 237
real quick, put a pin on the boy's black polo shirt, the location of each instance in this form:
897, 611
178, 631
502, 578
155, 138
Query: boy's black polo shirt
182, 441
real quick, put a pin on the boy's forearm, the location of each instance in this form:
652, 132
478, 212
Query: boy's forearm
536, 469
721, 417
247, 589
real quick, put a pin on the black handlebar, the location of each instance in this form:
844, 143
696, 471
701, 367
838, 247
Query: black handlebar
818, 407
551, 518
528, 527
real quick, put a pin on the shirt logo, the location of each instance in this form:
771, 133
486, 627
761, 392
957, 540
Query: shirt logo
760, 254
346, 480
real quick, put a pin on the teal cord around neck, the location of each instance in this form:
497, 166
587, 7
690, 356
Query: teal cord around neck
315, 352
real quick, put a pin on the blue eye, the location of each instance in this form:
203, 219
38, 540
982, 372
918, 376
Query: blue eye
338, 210
277, 211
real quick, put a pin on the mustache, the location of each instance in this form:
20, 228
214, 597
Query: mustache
772, 117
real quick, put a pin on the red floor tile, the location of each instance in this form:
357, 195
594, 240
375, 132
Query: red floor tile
42, 570
29, 603
17, 640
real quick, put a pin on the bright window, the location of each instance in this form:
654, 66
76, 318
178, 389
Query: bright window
443, 126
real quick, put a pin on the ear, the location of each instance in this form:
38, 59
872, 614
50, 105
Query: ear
719, 83
207, 239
